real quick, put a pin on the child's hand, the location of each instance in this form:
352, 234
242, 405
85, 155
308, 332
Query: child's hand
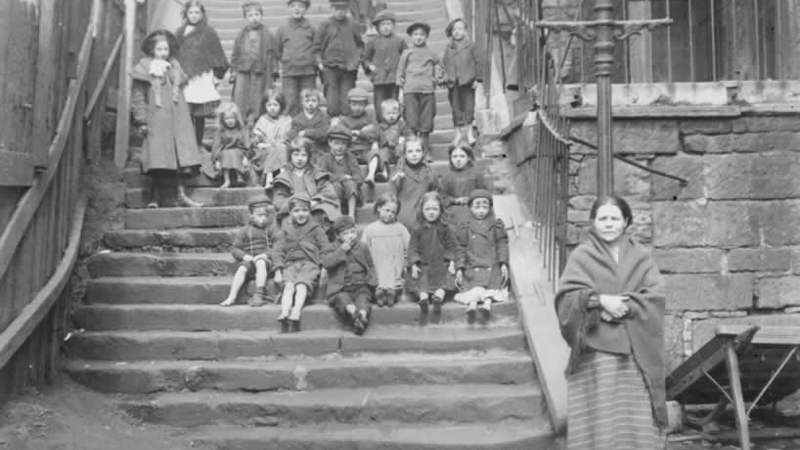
321, 67
232, 78
459, 278
452, 268
398, 176
247, 258
218, 165
143, 130
262, 256
504, 272
462, 200
245, 163
605, 316
475, 84
302, 133
415, 271
372, 67
278, 276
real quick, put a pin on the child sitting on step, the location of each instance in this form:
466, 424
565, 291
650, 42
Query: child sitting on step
345, 174
460, 180
360, 123
351, 276
312, 123
482, 262
463, 64
388, 243
431, 258
269, 138
252, 247
231, 145
410, 180
391, 131
300, 249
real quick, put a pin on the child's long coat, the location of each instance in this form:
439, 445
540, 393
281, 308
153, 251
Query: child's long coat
315, 183
432, 247
409, 189
483, 246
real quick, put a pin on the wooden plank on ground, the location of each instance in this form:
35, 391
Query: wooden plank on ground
535, 296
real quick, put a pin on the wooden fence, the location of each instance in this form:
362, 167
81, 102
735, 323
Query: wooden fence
53, 84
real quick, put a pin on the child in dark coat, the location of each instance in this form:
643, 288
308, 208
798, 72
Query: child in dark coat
418, 73
253, 63
302, 245
340, 48
482, 262
431, 258
463, 64
231, 147
361, 124
391, 140
460, 180
345, 174
298, 55
381, 57
410, 180
351, 276
252, 247
312, 123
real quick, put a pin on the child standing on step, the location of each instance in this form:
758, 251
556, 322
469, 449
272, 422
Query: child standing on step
312, 123
269, 137
231, 145
391, 140
298, 55
340, 48
460, 180
253, 63
463, 64
361, 124
302, 244
410, 180
343, 168
482, 262
351, 276
381, 58
431, 258
388, 243
252, 247
418, 72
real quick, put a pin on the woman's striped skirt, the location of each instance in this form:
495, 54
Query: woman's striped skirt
609, 406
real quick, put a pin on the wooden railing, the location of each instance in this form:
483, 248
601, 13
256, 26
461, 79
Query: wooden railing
40, 234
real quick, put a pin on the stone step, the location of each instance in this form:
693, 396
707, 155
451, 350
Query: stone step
213, 345
113, 264
510, 435
206, 217
193, 317
256, 375
395, 403
207, 238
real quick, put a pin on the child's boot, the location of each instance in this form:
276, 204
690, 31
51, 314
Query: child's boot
259, 297
437, 308
423, 310
471, 312
294, 325
380, 297
360, 322
485, 311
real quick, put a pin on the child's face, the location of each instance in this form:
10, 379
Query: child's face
194, 15
391, 114
387, 213
386, 27
253, 16
459, 31
161, 49
272, 107
414, 152
418, 37
310, 103
229, 120
431, 210
338, 147
348, 235
299, 158
339, 12
358, 107
300, 213
480, 208
459, 158
297, 10
260, 216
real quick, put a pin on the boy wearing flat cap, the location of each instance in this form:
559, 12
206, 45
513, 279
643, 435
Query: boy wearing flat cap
418, 73
361, 123
345, 174
351, 276
340, 48
381, 57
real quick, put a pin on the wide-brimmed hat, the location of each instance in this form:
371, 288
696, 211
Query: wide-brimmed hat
415, 25
384, 15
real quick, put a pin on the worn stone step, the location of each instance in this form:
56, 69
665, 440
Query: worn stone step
398, 403
106, 317
178, 217
114, 264
507, 435
209, 238
270, 374
215, 345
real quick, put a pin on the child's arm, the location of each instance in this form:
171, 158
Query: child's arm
414, 256
355, 171
336, 256
401, 68
320, 44
272, 56
372, 274
239, 244
501, 242
369, 54
478, 60
139, 103
319, 132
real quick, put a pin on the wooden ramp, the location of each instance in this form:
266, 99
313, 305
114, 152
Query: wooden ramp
742, 365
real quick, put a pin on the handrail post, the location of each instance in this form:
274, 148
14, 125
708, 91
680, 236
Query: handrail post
124, 93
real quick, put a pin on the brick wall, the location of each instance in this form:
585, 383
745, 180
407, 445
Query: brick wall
728, 242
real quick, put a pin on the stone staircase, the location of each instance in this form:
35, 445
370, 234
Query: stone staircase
153, 334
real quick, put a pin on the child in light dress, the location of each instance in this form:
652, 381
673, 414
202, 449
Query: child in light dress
387, 240
231, 147
269, 137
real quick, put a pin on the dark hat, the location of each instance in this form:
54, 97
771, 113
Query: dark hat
305, 2
448, 31
340, 3
261, 200
358, 93
299, 198
384, 15
339, 131
480, 193
415, 25
343, 223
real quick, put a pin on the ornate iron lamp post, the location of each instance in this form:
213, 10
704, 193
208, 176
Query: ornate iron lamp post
604, 31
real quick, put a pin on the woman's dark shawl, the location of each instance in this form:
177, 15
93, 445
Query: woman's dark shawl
591, 269
200, 50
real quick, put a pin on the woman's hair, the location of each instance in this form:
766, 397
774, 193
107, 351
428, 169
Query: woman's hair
273, 94
464, 148
192, 3
149, 42
298, 144
386, 197
426, 197
225, 109
247, 6
614, 200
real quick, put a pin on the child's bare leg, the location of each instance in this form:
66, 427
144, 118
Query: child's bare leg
300, 294
261, 273
286, 301
372, 167
226, 176
268, 180
236, 284
351, 206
